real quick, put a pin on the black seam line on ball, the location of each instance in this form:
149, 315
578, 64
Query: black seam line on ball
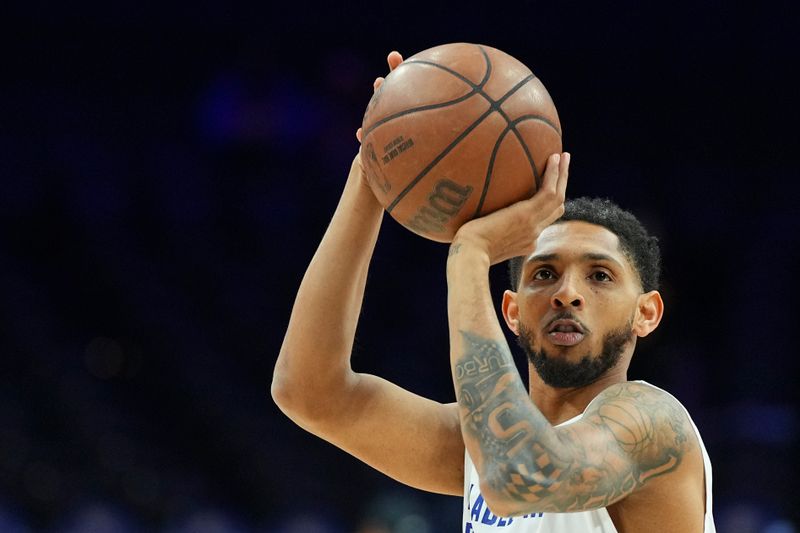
536, 176
537, 179
512, 127
540, 118
489, 171
475, 89
384, 120
495, 104
438, 158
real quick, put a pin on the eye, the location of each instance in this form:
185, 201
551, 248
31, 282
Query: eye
543, 274
600, 275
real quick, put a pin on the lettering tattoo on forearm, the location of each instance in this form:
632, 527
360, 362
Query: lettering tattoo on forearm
641, 435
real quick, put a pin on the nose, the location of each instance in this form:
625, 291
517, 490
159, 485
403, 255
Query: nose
567, 294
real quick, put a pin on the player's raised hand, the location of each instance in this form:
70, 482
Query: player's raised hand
393, 59
513, 230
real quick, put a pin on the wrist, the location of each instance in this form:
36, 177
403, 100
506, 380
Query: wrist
468, 250
469, 242
359, 193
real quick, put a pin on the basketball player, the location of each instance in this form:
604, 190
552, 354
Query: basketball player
584, 450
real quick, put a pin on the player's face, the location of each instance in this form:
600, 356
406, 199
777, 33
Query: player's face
576, 304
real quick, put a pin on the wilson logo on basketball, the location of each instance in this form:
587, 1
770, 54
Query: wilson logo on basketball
447, 199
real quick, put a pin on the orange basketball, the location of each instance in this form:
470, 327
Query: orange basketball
456, 132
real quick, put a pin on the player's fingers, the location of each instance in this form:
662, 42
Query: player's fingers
551, 171
563, 175
377, 83
356, 165
394, 59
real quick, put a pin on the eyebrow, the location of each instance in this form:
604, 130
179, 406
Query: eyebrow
590, 256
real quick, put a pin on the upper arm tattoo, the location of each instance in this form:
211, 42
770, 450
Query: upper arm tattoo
629, 434
647, 425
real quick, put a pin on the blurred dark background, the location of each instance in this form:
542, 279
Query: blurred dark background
168, 170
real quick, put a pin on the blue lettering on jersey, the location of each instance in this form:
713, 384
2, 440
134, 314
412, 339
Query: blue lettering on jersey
488, 518
477, 507
480, 512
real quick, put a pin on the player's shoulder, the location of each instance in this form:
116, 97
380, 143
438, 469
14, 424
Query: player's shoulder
638, 392
643, 418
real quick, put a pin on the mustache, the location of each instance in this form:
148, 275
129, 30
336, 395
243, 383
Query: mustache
567, 315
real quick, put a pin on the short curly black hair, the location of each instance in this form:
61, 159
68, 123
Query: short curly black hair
636, 243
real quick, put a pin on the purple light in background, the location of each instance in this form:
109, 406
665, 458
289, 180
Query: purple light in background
282, 111
765, 423
11, 523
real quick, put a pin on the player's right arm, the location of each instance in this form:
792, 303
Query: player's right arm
412, 439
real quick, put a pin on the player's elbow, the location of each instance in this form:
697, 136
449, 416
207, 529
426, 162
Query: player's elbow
502, 501
286, 392
498, 503
307, 401
290, 400
281, 392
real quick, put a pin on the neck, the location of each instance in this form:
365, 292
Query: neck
559, 405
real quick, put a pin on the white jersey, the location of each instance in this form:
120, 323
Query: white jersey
479, 519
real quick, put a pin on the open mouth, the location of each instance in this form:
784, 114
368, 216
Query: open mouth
565, 332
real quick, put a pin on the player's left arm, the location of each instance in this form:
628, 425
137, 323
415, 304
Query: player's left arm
630, 434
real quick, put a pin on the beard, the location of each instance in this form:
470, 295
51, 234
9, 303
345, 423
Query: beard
560, 373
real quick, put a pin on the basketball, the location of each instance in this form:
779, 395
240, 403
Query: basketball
456, 132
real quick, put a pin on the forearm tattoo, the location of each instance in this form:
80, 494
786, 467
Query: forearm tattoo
630, 434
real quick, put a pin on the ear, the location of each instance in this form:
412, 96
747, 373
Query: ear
511, 311
648, 313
